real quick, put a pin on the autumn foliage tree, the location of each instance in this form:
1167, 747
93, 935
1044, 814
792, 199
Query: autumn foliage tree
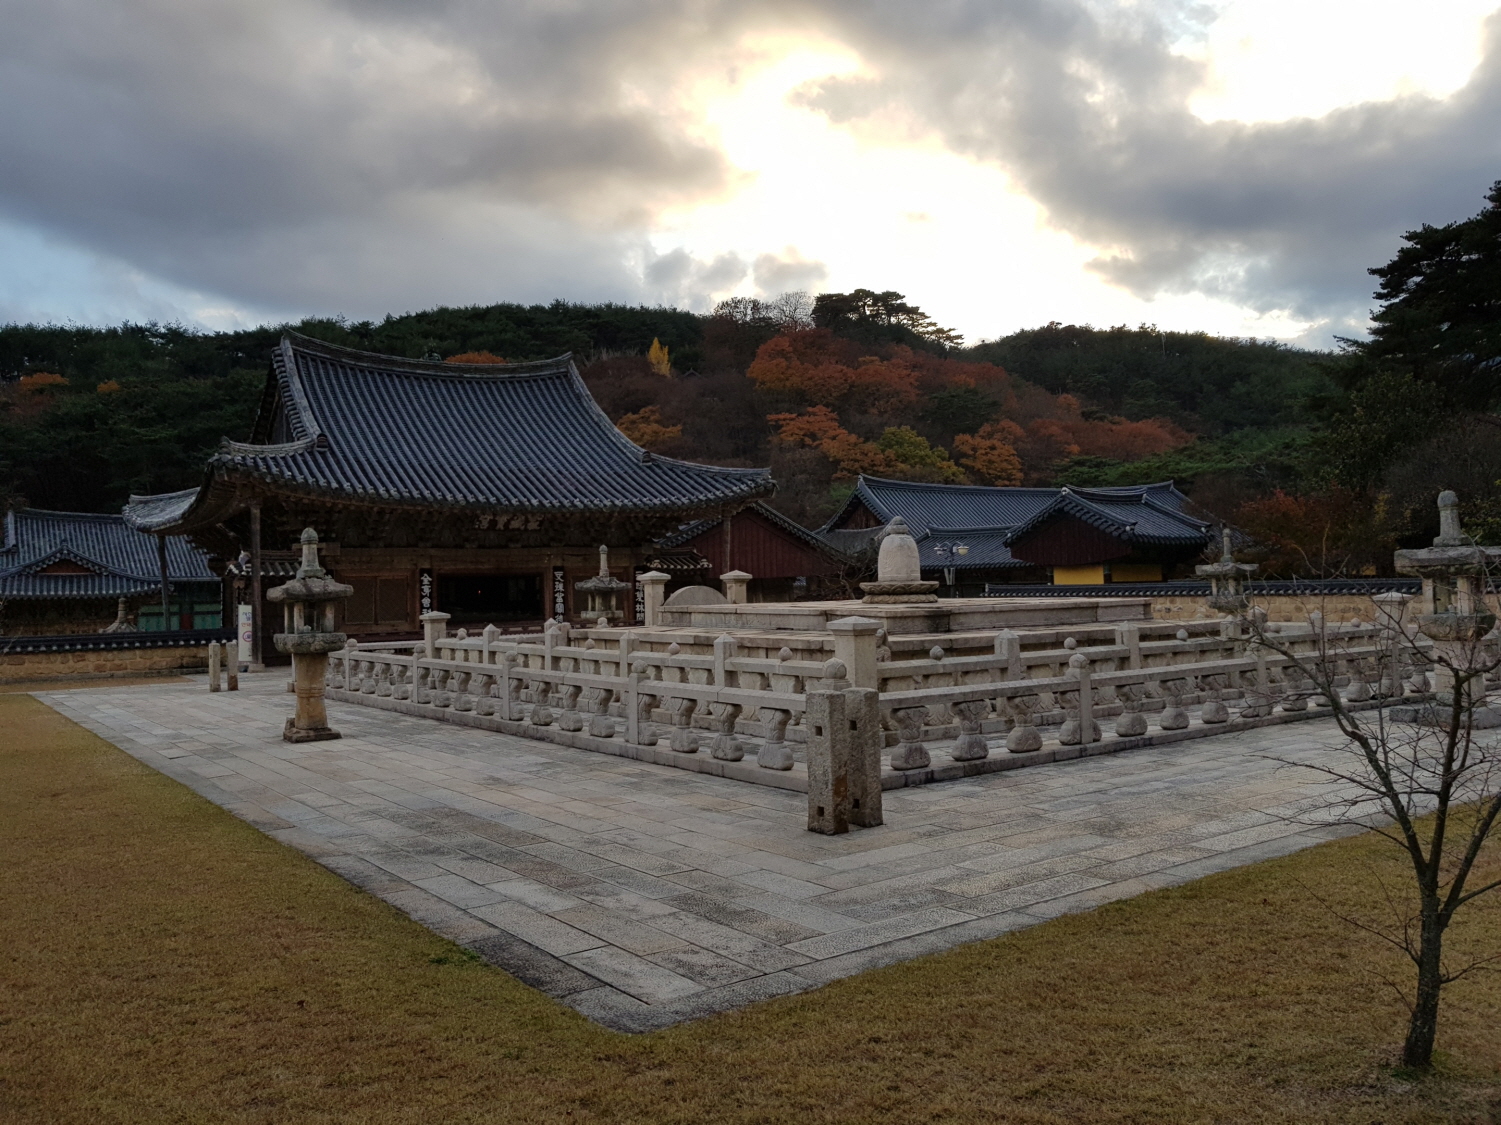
990, 454
1333, 533
646, 428
900, 452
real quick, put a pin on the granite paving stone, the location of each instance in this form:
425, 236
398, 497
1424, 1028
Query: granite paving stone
642, 895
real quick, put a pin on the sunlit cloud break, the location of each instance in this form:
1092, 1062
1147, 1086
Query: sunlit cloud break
1005, 164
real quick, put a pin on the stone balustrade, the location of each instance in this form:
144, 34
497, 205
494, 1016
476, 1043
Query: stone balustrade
716, 708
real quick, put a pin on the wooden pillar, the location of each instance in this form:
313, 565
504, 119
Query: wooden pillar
729, 541
257, 664
161, 562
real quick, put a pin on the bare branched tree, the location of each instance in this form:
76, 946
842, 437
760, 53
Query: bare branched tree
1426, 773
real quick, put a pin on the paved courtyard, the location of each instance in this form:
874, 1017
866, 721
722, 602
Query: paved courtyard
643, 895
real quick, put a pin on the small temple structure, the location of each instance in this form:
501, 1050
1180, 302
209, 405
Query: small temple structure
86, 572
482, 491
970, 535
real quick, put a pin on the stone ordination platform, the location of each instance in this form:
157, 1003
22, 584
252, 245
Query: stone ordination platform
946, 615
642, 895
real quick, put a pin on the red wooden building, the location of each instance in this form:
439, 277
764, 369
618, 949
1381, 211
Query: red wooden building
785, 560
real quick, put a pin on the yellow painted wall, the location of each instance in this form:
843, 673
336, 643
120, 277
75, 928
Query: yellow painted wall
1135, 572
1079, 575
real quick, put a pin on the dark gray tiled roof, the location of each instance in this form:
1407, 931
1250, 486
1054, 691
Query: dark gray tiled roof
520, 437
1149, 515
122, 559
691, 531
989, 519
987, 549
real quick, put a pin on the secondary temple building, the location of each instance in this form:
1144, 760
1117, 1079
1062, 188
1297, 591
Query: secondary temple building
971, 535
82, 572
482, 491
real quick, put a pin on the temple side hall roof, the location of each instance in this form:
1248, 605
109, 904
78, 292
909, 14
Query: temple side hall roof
521, 437
990, 519
106, 557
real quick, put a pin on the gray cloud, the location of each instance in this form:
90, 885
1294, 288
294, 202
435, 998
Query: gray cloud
788, 271
362, 156
1089, 112
334, 155
678, 278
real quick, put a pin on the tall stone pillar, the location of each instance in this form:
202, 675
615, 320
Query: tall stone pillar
735, 584
653, 593
855, 647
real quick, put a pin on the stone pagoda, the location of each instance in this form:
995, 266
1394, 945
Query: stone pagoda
1227, 579
603, 592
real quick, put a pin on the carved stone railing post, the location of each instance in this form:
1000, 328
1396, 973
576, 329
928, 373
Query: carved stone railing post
1213, 709
349, 650
775, 754
828, 764
725, 746
570, 719
483, 687
683, 739
844, 754
970, 745
1257, 701
653, 593
1359, 690
863, 727
442, 681
1128, 635
421, 692
855, 646
1024, 737
1008, 647
724, 651
1131, 723
383, 673
434, 629
462, 699
910, 753
542, 714
1173, 716
1080, 728
600, 723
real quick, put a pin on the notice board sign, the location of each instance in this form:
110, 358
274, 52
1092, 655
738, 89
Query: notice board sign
425, 602
559, 595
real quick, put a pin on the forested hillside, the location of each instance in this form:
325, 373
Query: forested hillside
1330, 460
822, 391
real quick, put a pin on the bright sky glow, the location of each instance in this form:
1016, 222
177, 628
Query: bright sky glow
1271, 60
954, 235
879, 206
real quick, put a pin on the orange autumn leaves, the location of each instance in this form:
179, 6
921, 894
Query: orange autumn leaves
647, 429
899, 452
1022, 433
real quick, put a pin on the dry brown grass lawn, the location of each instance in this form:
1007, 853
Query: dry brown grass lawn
161, 961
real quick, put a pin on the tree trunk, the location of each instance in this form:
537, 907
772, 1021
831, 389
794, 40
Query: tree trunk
1417, 1052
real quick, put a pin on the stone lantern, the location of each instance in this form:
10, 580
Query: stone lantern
308, 613
1454, 615
899, 570
1227, 579
602, 592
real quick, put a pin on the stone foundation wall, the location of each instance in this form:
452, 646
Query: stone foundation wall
25, 667
1334, 607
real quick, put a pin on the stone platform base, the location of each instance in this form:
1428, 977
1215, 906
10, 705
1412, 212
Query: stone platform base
1437, 715
290, 733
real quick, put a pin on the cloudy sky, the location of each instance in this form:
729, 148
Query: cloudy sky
1231, 165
